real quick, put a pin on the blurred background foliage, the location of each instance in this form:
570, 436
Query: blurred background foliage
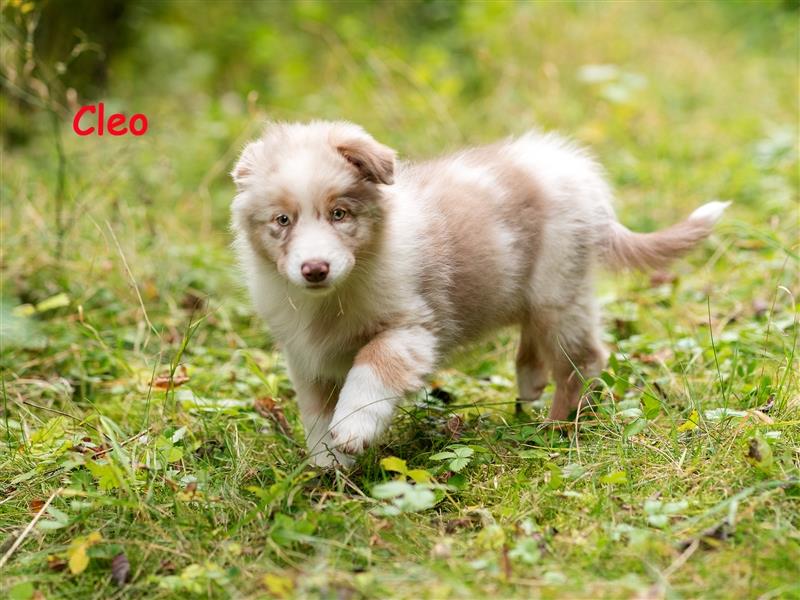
682, 101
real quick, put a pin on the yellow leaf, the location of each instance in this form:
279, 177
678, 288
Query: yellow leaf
53, 302
94, 538
691, 422
278, 585
78, 559
23, 310
392, 463
420, 475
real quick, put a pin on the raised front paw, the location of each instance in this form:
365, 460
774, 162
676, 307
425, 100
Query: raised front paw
363, 411
355, 433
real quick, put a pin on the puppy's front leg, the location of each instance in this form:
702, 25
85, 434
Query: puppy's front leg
316, 401
391, 365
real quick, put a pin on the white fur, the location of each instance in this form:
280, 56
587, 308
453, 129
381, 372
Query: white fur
433, 282
710, 212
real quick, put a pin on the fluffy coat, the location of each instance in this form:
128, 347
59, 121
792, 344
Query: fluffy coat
369, 272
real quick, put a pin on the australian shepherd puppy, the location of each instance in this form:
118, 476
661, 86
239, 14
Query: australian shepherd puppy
370, 271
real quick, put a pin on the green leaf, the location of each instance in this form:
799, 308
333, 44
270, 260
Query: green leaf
634, 428
573, 471
47, 524
443, 456
463, 451
394, 465
459, 482
652, 407
174, 454
527, 551
53, 302
614, 478
759, 452
556, 480
58, 515
105, 473
457, 464
21, 591
389, 489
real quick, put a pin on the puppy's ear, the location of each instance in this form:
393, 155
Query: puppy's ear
246, 164
373, 161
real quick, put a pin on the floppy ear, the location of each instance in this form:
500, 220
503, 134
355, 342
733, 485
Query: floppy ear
245, 166
373, 160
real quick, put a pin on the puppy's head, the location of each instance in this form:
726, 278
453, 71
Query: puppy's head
309, 199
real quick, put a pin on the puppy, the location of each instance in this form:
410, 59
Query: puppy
369, 271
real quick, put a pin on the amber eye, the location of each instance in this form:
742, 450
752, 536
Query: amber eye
283, 220
337, 214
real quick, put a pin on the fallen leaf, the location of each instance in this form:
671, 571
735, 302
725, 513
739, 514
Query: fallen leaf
78, 559
166, 566
768, 406
120, 569
269, 409
691, 422
279, 586
167, 381
759, 452
77, 556
659, 356
455, 425
35, 505
56, 563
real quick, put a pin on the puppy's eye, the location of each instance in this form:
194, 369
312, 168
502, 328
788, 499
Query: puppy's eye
283, 220
337, 214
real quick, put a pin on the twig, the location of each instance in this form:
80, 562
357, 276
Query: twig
133, 279
681, 560
28, 529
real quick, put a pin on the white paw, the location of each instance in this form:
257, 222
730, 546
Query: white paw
330, 458
364, 410
355, 434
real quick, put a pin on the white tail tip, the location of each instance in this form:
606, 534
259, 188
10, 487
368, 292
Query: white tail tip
710, 212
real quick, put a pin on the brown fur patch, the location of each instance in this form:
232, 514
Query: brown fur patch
394, 370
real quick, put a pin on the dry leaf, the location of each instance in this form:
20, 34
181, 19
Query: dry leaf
56, 563
455, 425
35, 505
659, 356
165, 381
269, 409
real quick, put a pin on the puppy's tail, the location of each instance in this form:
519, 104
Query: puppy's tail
626, 249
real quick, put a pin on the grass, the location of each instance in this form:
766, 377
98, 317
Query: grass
684, 483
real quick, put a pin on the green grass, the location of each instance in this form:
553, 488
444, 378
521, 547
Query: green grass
683, 485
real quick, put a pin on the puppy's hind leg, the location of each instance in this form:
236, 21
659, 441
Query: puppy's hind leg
533, 371
579, 355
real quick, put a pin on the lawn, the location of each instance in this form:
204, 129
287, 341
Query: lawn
149, 444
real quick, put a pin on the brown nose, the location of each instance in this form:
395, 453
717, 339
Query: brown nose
315, 270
